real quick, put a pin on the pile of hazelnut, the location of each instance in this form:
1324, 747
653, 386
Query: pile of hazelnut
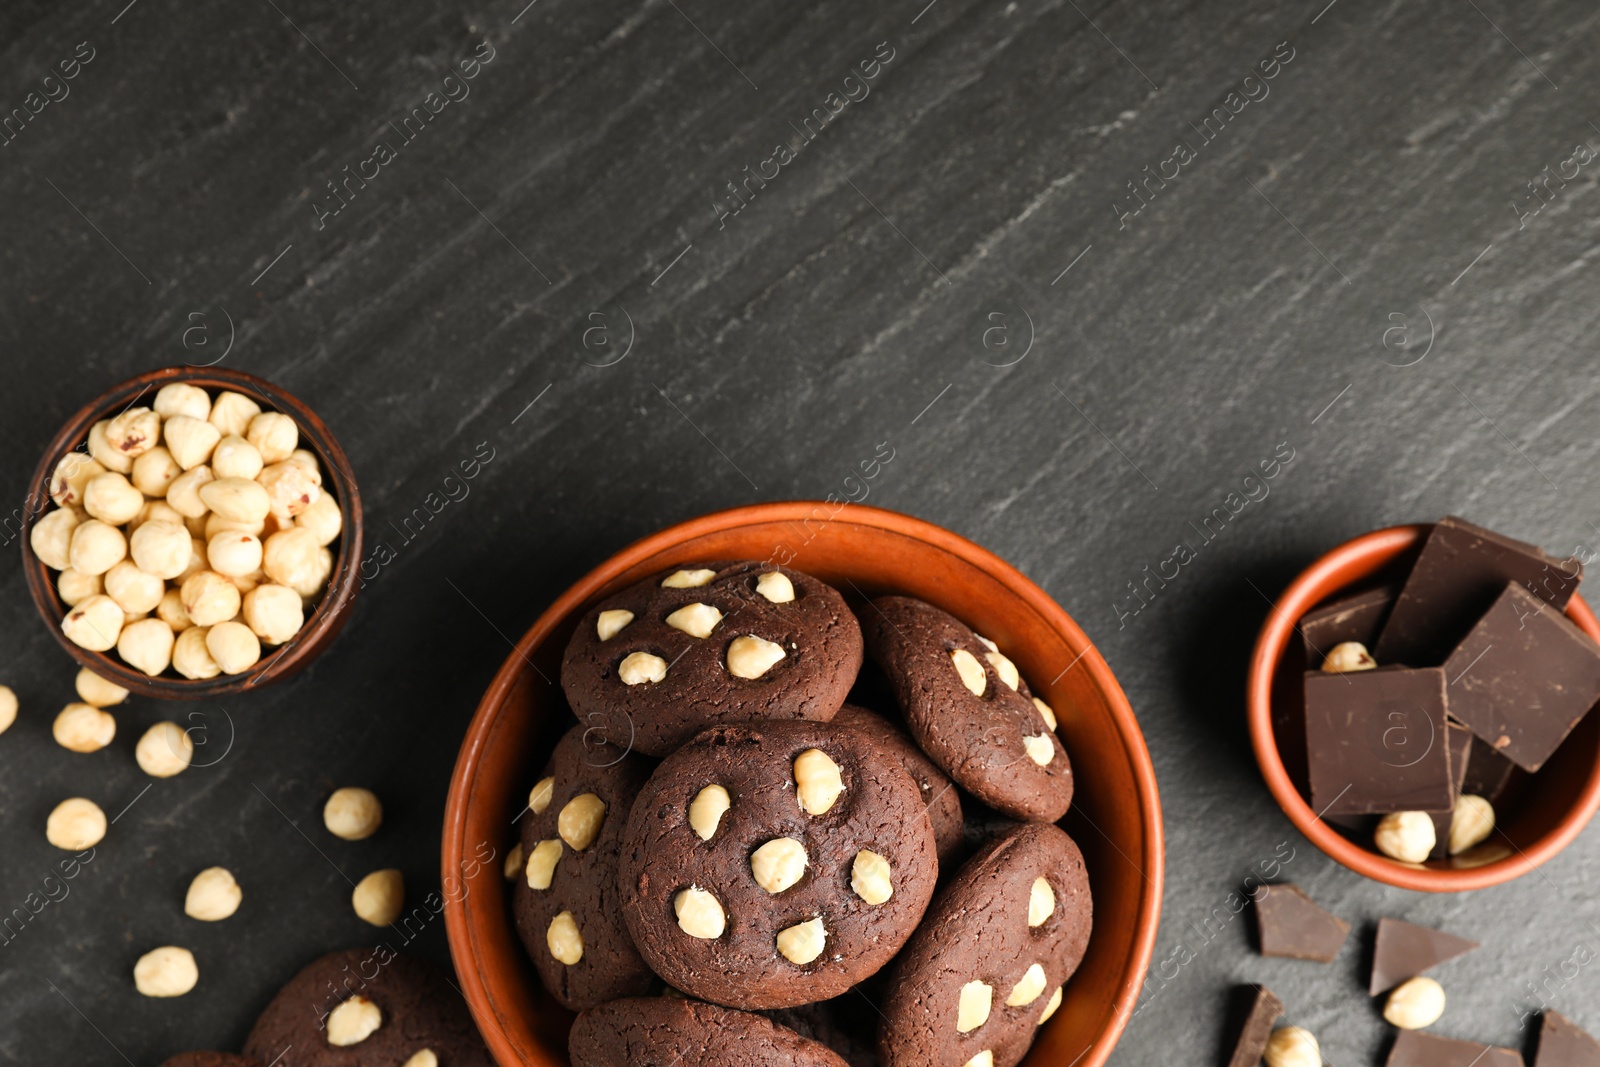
189, 534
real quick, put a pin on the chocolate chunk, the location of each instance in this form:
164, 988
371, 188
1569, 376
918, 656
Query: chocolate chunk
1487, 772
1523, 677
1563, 1044
1352, 618
1405, 950
1294, 927
1460, 743
1376, 741
1460, 572
1418, 1048
1247, 1051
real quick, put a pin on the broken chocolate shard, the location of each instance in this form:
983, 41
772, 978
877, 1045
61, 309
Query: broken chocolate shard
1352, 618
1377, 741
1418, 1048
1405, 950
1252, 1043
1461, 570
1488, 772
1562, 1043
1460, 742
1523, 677
1293, 926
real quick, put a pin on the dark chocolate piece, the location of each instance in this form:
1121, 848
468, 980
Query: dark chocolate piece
1523, 677
1376, 741
1405, 950
1293, 926
1352, 618
1487, 772
1460, 572
1460, 743
1418, 1048
1252, 1043
1562, 1043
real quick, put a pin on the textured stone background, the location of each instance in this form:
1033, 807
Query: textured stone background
1357, 219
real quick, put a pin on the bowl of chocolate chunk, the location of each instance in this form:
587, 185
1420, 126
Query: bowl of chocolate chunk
794, 783
193, 532
1419, 703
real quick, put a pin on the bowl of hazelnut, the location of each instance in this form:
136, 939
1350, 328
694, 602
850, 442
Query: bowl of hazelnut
193, 532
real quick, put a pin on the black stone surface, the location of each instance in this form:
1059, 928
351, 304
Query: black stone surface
1351, 272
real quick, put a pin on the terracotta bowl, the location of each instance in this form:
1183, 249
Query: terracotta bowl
275, 664
1539, 815
863, 551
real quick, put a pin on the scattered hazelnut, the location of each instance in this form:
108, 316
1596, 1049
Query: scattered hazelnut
687, 579
190, 440
1292, 1046
699, 913
235, 648
51, 538
970, 670
1471, 823
580, 820
73, 471
352, 813
1050, 1008
75, 588
83, 728
778, 864
1348, 656
291, 489
213, 895
751, 656
231, 413
102, 452
96, 547
1040, 748
541, 867
236, 499
972, 1010
168, 971
275, 436
95, 690
640, 667
707, 809
358, 1018
95, 623
1041, 901
75, 824
817, 780
181, 398
170, 611
165, 749
1004, 668
190, 656
233, 552
697, 620
290, 556
870, 877
379, 897
134, 591
564, 939
1047, 712
134, 432
610, 623
803, 942
234, 457
1028, 987
155, 471
539, 796
1407, 836
323, 518
273, 613
161, 548
184, 492
776, 587
8, 708
146, 645
1415, 1004
514, 862
209, 598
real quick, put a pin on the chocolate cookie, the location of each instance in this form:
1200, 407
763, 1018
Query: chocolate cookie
366, 1006
969, 710
701, 645
771, 864
210, 1059
566, 904
939, 794
654, 1031
987, 965
847, 1024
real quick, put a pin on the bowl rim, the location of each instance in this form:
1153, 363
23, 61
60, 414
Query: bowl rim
1282, 621
461, 936
317, 631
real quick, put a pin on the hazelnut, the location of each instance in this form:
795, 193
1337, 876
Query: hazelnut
170, 611
233, 552
216, 524
181, 398
111, 498
817, 780
982, 1059
290, 556
1004, 668
291, 489
95, 690
323, 518
196, 525
231, 413
380, 897
51, 538
972, 1010
95, 623
1407, 836
352, 813
424, 1058
870, 877
275, 436
134, 591
776, 587
213, 895
803, 942
514, 861
165, 749
161, 549
83, 728
246, 582
8, 708
699, 913
1050, 1008
233, 646
564, 939
1040, 748
75, 824
580, 820
1348, 656
356, 1019
146, 645
155, 471
697, 620
209, 598
75, 588
1028, 987
190, 440
1415, 1004
168, 971
539, 796
101, 451
236, 499
641, 667
313, 582
273, 613
970, 670
1292, 1046
197, 560
541, 866
1471, 823
73, 471
190, 656
155, 511
610, 623
751, 656
1046, 712
234, 457
687, 579
1041, 901
306, 458
707, 809
96, 547
134, 432
184, 492
778, 864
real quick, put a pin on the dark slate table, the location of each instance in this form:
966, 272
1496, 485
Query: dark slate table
1037, 247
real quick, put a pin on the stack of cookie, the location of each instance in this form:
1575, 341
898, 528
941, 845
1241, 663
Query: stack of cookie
723, 822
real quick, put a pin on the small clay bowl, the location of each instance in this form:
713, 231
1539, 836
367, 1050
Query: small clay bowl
864, 552
277, 663
1537, 818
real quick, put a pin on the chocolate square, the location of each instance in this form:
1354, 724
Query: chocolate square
1523, 677
1418, 1048
1377, 741
1352, 618
1487, 772
1460, 573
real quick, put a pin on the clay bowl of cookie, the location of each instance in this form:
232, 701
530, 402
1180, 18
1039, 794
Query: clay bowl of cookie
863, 552
1536, 816
256, 465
